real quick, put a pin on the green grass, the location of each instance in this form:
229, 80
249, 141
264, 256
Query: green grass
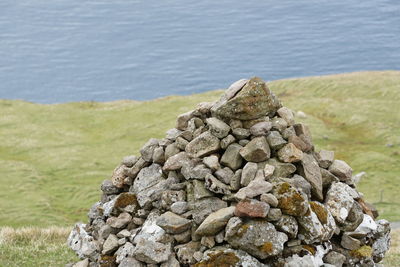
54, 157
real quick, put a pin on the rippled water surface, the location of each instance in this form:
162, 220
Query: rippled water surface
55, 51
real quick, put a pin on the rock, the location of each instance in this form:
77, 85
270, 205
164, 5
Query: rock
172, 262
123, 233
288, 225
255, 188
181, 143
148, 149
119, 175
176, 161
249, 173
261, 128
183, 119
110, 245
252, 208
121, 221
311, 172
301, 143
108, 188
289, 153
288, 132
82, 263
173, 223
168, 197
274, 215
335, 258
224, 175
82, 243
208, 241
268, 171
241, 133
325, 158
216, 186
203, 145
342, 170
185, 252
222, 256
215, 222
349, 242
235, 181
275, 140
259, 238
382, 243
124, 252
179, 207
200, 191
287, 115
327, 178
291, 201
131, 262
218, 128
270, 199
152, 252
230, 139
299, 183
279, 124
183, 237
281, 169
257, 150
339, 201
232, 158
254, 100
191, 171
171, 150
203, 207
212, 162
120, 203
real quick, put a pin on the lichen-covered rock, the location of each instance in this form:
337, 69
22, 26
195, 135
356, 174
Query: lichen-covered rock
290, 200
215, 222
203, 145
259, 238
218, 128
290, 153
82, 243
173, 223
226, 257
232, 158
310, 170
257, 150
152, 252
339, 201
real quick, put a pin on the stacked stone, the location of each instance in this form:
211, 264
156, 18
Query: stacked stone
236, 183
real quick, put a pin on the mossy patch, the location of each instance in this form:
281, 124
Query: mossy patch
267, 247
126, 199
309, 248
320, 210
362, 252
242, 230
219, 259
291, 202
108, 261
284, 188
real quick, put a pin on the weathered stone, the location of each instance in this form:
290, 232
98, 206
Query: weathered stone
291, 201
204, 107
232, 158
179, 207
279, 124
218, 128
288, 225
335, 258
224, 175
249, 173
183, 237
129, 161
176, 161
124, 251
173, 223
327, 178
230, 139
191, 171
288, 132
221, 256
152, 252
274, 215
150, 230
290, 153
287, 115
349, 242
302, 129
148, 149
159, 155
168, 197
171, 150
342, 170
208, 241
325, 158
109, 188
171, 262
354, 219
311, 172
216, 186
339, 201
203, 145
301, 143
252, 208
281, 169
258, 238
255, 188
119, 175
235, 181
212, 162
261, 128
203, 207
241, 133
183, 119
270, 199
185, 252
110, 245
181, 143
254, 100
275, 140
257, 150
382, 240
139, 165
215, 222
131, 262
82, 243
299, 183
200, 191
82, 263
119, 222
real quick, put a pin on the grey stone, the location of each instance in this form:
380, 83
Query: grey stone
123, 233
257, 150
255, 188
270, 199
243, 142
183, 237
215, 222
212, 162
274, 214
224, 175
185, 252
232, 158
110, 245
227, 141
339, 201
290, 153
124, 252
108, 188
218, 128
349, 242
235, 181
342, 170
82, 263
279, 124
119, 175
248, 173
120, 203
179, 207
216, 186
241, 133
268, 171
159, 155
252, 101
200, 191
327, 178
236, 258
173, 223
311, 172
191, 171
203, 207
235, 124
261, 128
299, 183
275, 140
204, 107
152, 252
208, 241
335, 258
181, 143
129, 161
203, 145
172, 134
131, 262
325, 158
171, 150
119, 222
288, 132
150, 230
148, 149
171, 262
288, 225
260, 239
291, 201
176, 161
287, 115
183, 120
82, 243
168, 197
281, 169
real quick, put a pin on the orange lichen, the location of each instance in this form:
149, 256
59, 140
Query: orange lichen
108, 261
284, 188
292, 203
267, 247
126, 199
242, 230
311, 249
219, 259
320, 211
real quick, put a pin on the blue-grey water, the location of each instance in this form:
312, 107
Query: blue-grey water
55, 51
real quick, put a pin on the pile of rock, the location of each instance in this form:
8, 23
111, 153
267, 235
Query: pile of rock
236, 183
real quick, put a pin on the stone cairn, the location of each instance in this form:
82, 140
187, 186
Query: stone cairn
236, 183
